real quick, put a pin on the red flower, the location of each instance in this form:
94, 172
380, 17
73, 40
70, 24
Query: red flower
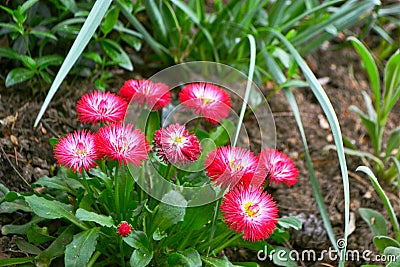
119, 142
279, 167
101, 107
124, 228
175, 145
251, 212
208, 100
154, 95
229, 165
76, 151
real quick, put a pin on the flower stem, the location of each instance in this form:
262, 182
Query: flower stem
196, 127
116, 195
214, 223
121, 248
226, 244
93, 259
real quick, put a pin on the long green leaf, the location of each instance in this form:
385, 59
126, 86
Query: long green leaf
372, 69
333, 122
83, 38
280, 77
391, 80
384, 198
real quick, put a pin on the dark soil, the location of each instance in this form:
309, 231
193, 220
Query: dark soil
27, 155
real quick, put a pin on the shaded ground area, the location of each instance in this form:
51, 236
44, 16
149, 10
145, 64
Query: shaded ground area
26, 152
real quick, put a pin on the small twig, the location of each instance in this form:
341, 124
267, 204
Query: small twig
12, 165
47, 126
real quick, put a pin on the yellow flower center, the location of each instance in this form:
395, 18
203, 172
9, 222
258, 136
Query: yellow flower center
205, 100
235, 165
251, 208
179, 139
80, 149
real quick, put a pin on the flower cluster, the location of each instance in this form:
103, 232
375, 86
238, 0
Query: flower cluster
114, 141
247, 208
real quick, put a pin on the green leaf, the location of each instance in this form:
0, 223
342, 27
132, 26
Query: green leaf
132, 41
393, 141
140, 259
156, 19
153, 124
27, 5
375, 221
382, 242
20, 229
27, 247
370, 66
60, 183
38, 235
116, 53
223, 133
53, 141
168, 215
8, 52
89, 27
281, 257
79, 251
10, 207
44, 34
110, 20
93, 56
15, 261
384, 198
12, 27
18, 75
85, 215
213, 262
197, 217
188, 258
395, 251
58, 246
391, 81
49, 60
52, 209
3, 192
70, 5
138, 240
290, 222
157, 235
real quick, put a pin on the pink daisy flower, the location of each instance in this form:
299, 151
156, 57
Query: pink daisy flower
122, 143
76, 151
250, 211
154, 95
124, 228
279, 167
208, 100
175, 145
229, 165
101, 107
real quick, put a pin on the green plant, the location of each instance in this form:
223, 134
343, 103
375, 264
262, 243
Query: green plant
389, 247
378, 110
94, 196
184, 31
24, 38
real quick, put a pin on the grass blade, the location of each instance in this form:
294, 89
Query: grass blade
248, 85
333, 122
384, 199
372, 69
83, 38
280, 77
